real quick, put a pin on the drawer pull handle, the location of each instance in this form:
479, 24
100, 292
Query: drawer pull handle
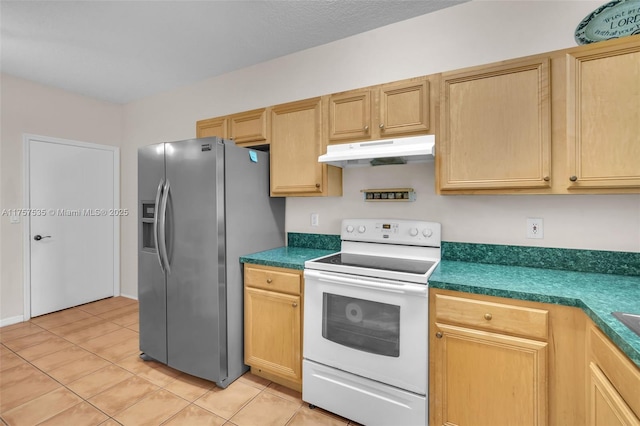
269, 280
439, 335
488, 317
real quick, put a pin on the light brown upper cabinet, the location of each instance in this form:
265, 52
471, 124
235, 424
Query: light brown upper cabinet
388, 110
350, 116
565, 122
603, 116
218, 126
297, 142
495, 127
249, 128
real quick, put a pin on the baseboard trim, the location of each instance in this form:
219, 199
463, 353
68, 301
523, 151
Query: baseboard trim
129, 296
10, 321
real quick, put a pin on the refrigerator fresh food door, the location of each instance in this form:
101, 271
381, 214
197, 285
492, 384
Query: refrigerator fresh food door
194, 233
152, 295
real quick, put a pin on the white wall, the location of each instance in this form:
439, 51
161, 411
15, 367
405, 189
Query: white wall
28, 107
470, 34
601, 222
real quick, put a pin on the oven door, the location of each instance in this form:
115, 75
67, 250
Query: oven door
371, 327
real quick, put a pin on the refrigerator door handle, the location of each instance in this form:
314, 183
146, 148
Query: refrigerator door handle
155, 222
163, 224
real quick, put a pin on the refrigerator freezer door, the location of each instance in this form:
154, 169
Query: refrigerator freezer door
196, 320
151, 278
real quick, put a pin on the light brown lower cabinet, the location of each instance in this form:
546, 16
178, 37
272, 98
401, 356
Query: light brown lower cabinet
489, 369
500, 361
614, 383
490, 378
273, 324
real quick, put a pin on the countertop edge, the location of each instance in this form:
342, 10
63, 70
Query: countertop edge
620, 341
276, 264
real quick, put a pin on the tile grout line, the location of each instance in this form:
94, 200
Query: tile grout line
227, 421
111, 363
56, 380
53, 378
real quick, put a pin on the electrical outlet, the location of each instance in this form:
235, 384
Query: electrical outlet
315, 219
535, 228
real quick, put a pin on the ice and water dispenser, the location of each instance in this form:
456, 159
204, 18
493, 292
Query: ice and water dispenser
148, 215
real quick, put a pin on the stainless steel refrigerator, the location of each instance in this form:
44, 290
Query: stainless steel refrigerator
203, 203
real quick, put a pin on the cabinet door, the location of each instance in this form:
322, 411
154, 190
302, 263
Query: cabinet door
350, 116
484, 378
249, 128
606, 406
272, 333
404, 109
603, 110
618, 369
495, 127
296, 145
218, 126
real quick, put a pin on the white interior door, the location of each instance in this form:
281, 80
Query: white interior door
73, 223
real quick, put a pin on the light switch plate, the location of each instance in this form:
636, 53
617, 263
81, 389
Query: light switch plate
535, 228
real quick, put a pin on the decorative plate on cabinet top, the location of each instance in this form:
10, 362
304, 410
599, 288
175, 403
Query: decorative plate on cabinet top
618, 18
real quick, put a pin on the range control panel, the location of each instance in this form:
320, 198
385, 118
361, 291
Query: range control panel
392, 231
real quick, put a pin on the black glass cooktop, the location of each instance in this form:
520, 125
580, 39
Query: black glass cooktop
408, 266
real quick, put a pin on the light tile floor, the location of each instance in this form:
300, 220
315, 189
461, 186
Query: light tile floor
81, 366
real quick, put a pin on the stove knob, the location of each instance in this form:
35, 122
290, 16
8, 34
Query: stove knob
349, 228
413, 232
427, 232
361, 229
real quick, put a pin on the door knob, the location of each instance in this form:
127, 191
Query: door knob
39, 237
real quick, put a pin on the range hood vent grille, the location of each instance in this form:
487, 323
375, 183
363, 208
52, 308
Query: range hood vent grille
381, 152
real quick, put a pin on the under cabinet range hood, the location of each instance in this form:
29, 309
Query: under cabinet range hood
381, 152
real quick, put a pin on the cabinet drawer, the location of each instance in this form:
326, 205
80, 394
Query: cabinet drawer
275, 279
492, 316
623, 375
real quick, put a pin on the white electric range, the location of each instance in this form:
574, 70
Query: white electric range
366, 322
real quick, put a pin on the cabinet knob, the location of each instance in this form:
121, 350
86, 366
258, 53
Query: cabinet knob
317, 185
269, 280
294, 304
439, 335
546, 178
488, 316
573, 178
366, 128
381, 125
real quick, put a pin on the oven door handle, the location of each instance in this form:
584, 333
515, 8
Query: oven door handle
367, 282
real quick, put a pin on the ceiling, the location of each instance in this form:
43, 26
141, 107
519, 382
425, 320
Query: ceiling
120, 51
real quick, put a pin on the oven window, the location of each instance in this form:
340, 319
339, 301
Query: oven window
361, 324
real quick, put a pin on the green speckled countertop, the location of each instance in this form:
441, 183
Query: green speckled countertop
285, 257
596, 294
538, 274
299, 249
